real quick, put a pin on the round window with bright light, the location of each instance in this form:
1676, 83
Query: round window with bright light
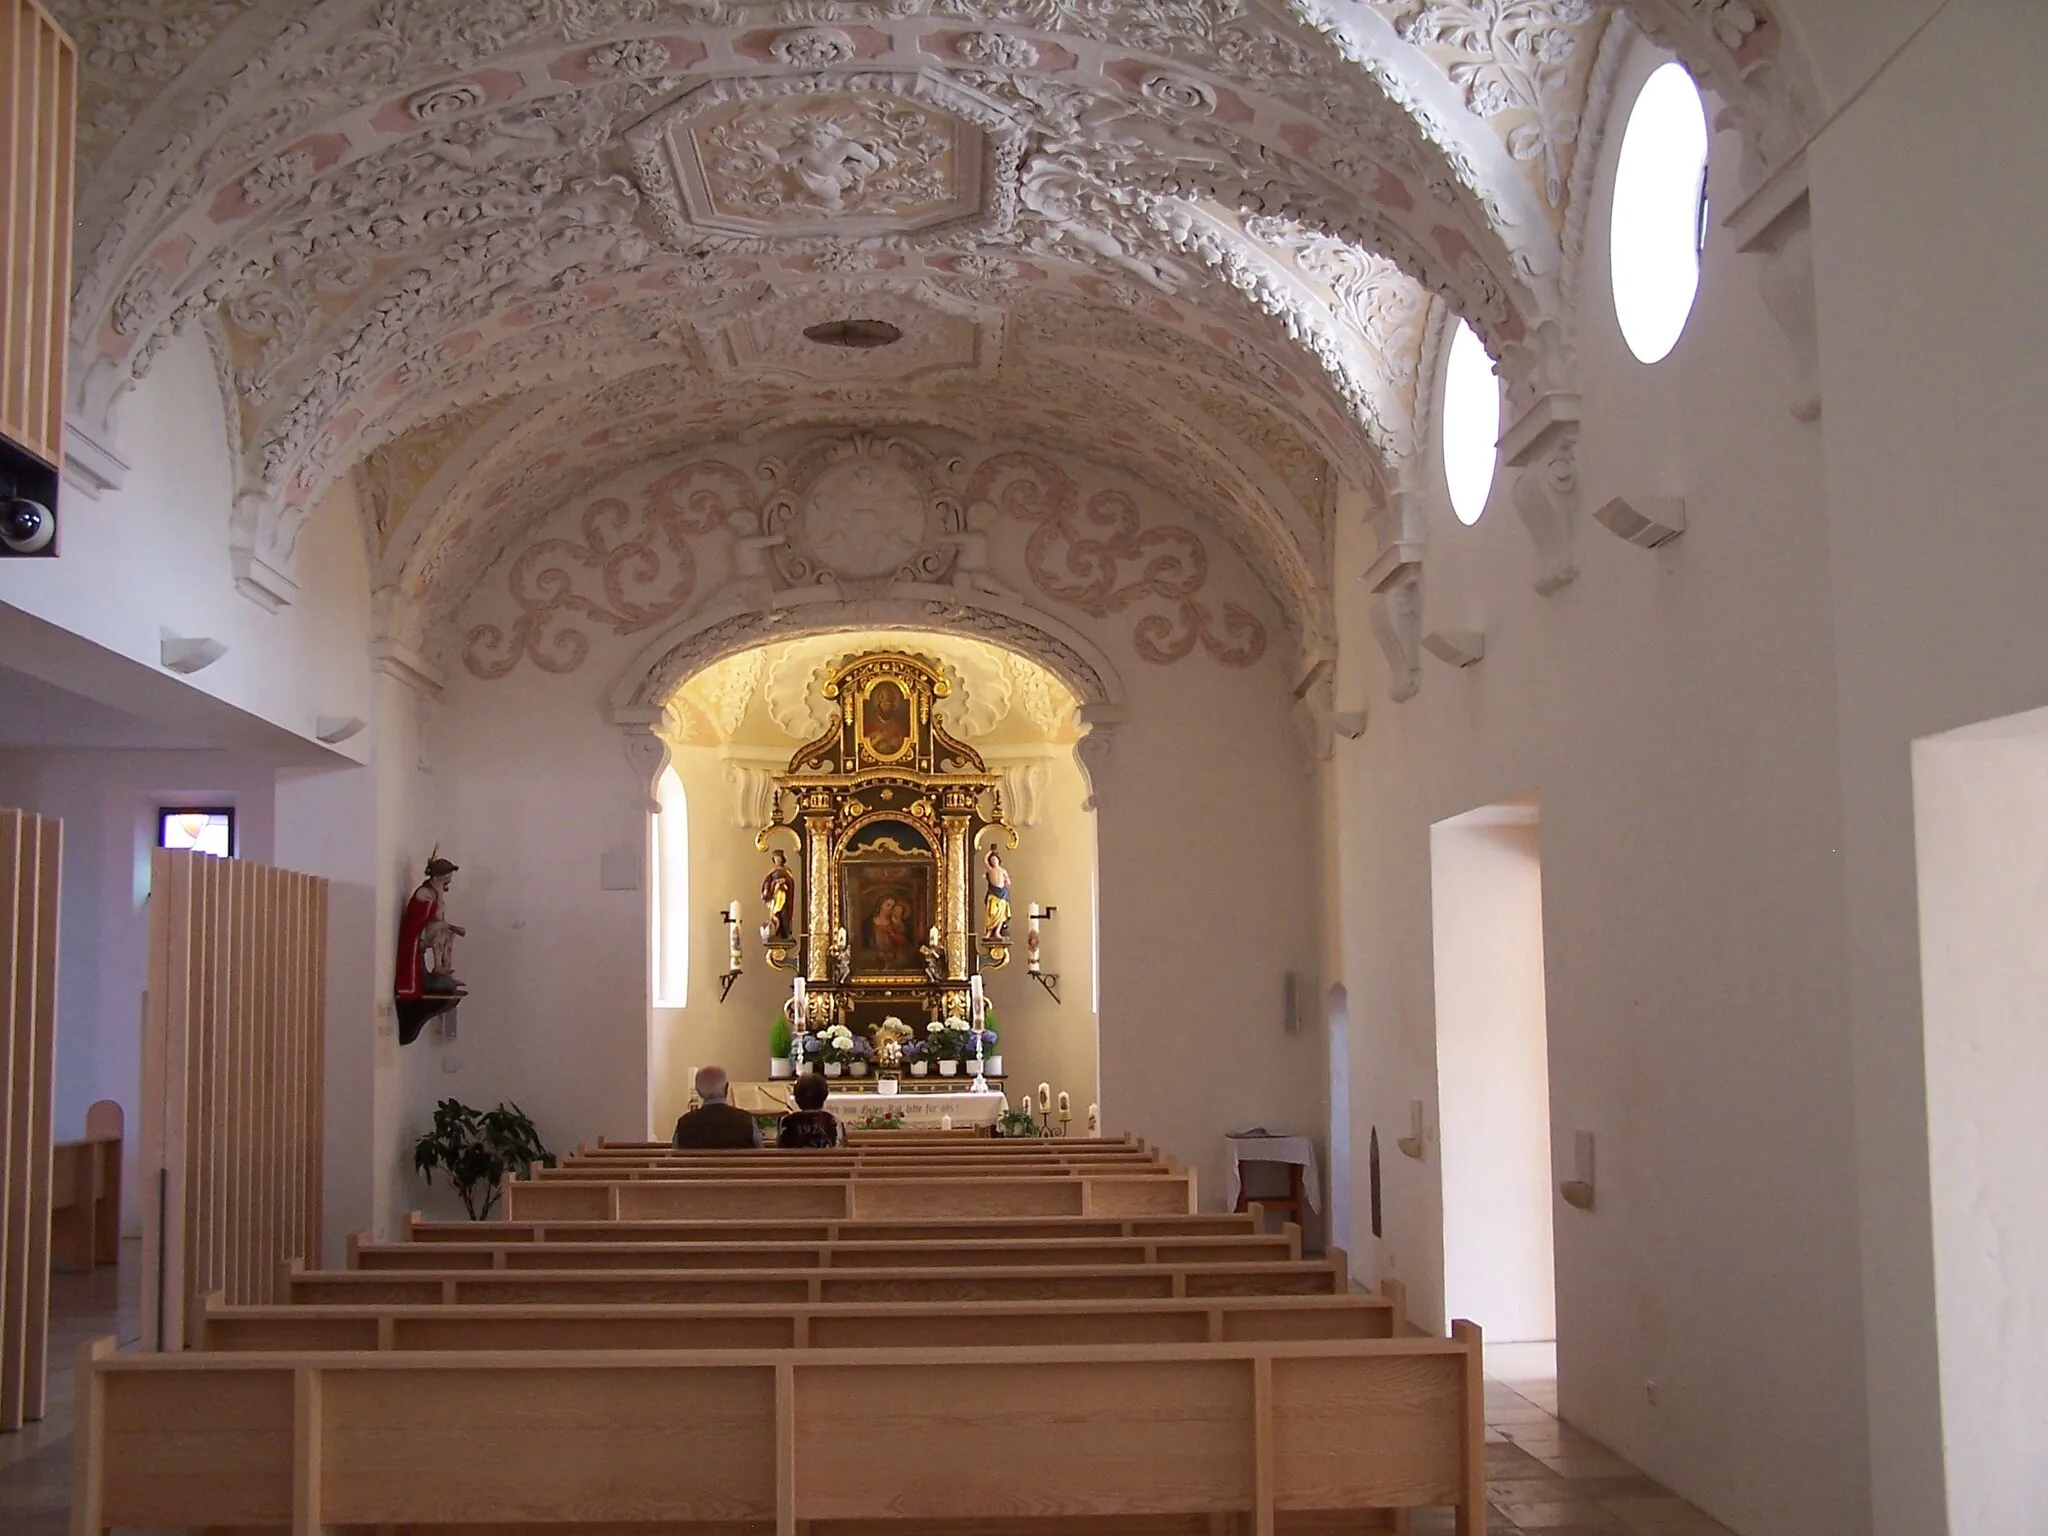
1471, 424
1659, 216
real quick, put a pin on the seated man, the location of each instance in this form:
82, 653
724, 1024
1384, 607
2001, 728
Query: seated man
811, 1124
716, 1123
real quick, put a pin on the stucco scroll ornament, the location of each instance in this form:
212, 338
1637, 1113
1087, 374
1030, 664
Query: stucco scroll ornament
632, 568
1095, 749
1513, 56
1396, 616
1080, 554
861, 511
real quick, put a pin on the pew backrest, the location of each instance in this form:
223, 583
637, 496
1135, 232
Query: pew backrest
856, 1197
312, 1440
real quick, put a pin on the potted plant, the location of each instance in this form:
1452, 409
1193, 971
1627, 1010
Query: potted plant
476, 1148
813, 1055
860, 1051
779, 1064
1017, 1122
949, 1039
915, 1057
836, 1047
991, 1058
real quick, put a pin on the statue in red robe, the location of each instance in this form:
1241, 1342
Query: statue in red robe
426, 939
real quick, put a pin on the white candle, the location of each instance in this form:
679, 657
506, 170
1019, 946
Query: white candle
974, 996
1031, 936
946, 1120
1044, 1097
1065, 1113
1094, 1118
798, 987
735, 911
732, 938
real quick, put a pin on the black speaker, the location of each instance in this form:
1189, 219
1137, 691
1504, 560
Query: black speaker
28, 504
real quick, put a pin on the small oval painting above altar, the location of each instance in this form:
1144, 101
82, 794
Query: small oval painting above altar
887, 730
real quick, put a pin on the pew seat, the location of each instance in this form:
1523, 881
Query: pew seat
828, 1326
855, 1196
1272, 1434
1013, 1228
1040, 1282
1246, 1248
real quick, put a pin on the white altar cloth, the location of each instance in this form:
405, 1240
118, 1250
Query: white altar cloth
921, 1111
1273, 1149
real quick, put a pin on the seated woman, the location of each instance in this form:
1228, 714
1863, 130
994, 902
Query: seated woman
810, 1124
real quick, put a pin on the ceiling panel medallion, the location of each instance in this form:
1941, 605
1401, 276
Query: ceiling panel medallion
823, 158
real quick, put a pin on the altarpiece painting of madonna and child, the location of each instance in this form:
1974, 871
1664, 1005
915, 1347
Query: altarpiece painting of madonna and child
886, 887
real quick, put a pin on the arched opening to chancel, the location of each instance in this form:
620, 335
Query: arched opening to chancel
899, 821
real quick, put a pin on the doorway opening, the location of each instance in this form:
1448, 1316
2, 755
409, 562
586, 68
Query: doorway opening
1493, 1082
1980, 814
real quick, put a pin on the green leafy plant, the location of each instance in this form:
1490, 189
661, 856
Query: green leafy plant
1017, 1122
476, 1148
779, 1038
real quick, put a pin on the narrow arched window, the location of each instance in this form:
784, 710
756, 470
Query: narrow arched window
668, 862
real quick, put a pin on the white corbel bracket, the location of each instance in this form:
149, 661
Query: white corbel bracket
401, 663
1542, 444
263, 540
646, 753
1776, 222
1397, 562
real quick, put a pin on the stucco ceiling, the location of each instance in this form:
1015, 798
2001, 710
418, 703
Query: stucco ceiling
483, 253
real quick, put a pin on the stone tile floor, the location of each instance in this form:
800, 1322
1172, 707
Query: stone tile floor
1544, 1478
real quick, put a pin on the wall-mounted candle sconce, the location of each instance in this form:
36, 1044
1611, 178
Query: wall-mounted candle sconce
1411, 1144
730, 916
1578, 1189
1050, 980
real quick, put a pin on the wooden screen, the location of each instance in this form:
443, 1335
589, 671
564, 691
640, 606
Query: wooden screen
232, 1071
31, 852
38, 97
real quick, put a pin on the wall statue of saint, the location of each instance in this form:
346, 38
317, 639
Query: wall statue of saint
995, 922
778, 895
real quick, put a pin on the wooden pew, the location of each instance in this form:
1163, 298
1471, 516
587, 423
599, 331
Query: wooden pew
935, 1253
1013, 1228
719, 1287
1280, 1434
585, 1173
856, 1196
831, 1326
976, 1151
964, 1136
85, 1193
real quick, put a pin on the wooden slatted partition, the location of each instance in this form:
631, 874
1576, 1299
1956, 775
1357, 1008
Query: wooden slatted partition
38, 101
31, 853
232, 1065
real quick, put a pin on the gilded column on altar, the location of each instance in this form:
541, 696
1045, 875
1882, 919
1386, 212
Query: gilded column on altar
818, 814
957, 820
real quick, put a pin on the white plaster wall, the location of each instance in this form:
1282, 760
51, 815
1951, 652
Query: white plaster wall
1493, 1078
1981, 822
1675, 713
108, 802
153, 556
1207, 878
1041, 1041
1927, 199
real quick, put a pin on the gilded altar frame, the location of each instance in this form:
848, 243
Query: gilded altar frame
885, 811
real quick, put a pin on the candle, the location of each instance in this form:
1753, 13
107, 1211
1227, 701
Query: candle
732, 937
734, 910
1044, 1097
1065, 1113
1094, 1118
974, 996
946, 1120
798, 1022
1031, 938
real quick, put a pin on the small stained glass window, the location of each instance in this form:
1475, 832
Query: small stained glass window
204, 829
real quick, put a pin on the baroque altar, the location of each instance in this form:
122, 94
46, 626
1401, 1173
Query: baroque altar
881, 827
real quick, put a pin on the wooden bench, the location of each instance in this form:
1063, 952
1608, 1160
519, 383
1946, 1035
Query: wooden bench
1277, 1434
935, 1253
977, 1152
1200, 1224
717, 1287
85, 1193
826, 1166
856, 1196
964, 1136
829, 1326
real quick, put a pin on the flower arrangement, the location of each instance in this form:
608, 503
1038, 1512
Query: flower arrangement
1017, 1122
837, 1043
881, 1120
950, 1039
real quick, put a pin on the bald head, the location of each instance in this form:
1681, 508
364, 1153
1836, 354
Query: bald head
713, 1084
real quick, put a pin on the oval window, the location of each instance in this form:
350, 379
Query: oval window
1660, 185
1471, 424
